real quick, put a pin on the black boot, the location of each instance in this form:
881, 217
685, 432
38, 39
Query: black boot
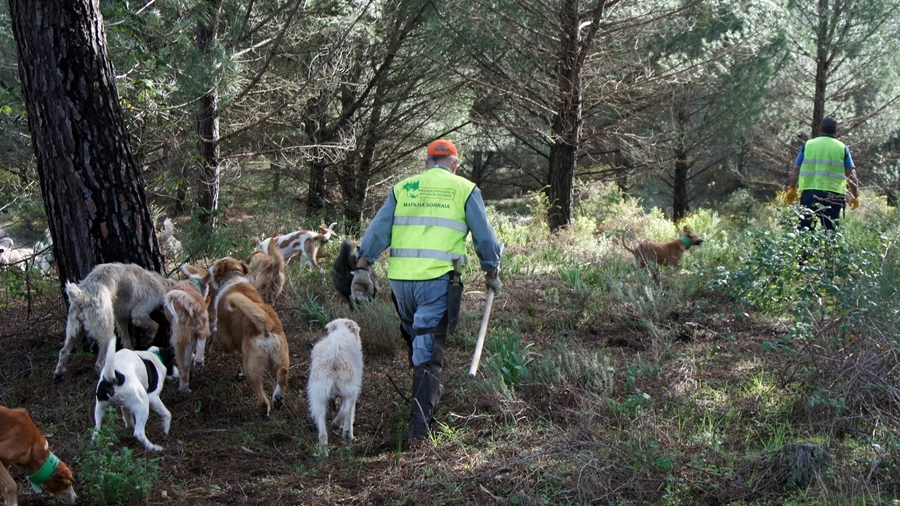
427, 391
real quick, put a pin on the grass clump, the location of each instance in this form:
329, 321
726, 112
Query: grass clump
114, 476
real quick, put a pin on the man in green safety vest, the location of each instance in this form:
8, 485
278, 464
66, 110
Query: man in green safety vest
823, 172
425, 221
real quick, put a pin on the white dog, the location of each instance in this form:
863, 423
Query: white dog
10, 255
132, 381
335, 371
108, 298
171, 247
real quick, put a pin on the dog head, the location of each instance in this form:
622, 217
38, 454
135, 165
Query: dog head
693, 239
60, 484
350, 325
226, 266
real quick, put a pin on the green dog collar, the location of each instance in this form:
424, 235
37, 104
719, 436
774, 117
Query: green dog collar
686, 241
44, 473
200, 286
156, 352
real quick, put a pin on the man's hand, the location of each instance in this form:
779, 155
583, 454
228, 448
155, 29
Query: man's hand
492, 281
791, 195
362, 286
853, 203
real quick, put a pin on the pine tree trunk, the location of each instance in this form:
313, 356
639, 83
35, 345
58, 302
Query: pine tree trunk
567, 121
92, 188
208, 129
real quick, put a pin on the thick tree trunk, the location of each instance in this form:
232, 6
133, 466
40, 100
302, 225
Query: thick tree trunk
680, 205
567, 121
93, 190
823, 44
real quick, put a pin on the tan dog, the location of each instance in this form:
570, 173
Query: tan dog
185, 306
305, 243
249, 325
109, 297
664, 253
267, 272
23, 445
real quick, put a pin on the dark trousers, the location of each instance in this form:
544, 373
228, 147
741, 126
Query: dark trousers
826, 206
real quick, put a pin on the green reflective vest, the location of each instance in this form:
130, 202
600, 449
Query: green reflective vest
823, 166
429, 228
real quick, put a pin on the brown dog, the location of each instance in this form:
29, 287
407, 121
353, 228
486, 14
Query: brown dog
185, 306
663, 253
267, 271
249, 325
23, 445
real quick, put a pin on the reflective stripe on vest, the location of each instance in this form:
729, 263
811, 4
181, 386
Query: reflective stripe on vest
429, 228
823, 166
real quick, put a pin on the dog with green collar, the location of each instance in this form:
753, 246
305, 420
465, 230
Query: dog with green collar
132, 381
23, 445
664, 253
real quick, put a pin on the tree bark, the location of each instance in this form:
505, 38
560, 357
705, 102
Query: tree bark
567, 121
208, 128
92, 188
823, 43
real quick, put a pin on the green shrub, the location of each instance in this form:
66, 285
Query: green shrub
115, 476
570, 365
510, 359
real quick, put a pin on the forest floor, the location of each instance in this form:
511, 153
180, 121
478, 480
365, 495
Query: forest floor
678, 422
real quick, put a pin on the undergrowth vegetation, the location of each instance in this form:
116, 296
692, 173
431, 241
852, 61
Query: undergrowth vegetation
762, 370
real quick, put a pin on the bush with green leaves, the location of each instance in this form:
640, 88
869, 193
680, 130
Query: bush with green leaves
113, 476
509, 359
570, 365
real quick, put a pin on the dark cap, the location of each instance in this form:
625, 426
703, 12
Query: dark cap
829, 125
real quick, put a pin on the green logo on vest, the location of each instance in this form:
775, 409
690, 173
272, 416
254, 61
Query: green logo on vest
410, 188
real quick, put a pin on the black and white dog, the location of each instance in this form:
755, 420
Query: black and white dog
132, 381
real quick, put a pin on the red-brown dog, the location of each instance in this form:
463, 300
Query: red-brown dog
664, 253
185, 307
248, 325
23, 445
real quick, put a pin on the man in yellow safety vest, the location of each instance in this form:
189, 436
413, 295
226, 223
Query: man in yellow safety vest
425, 221
823, 173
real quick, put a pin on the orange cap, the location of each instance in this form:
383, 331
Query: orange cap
441, 147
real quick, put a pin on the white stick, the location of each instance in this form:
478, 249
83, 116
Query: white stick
479, 344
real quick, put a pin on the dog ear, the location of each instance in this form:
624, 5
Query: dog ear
353, 326
245, 268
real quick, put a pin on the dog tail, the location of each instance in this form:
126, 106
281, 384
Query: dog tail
342, 270
109, 367
77, 297
251, 310
274, 251
624, 244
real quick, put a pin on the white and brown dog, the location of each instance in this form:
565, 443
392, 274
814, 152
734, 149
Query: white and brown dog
111, 296
267, 272
186, 309
663, 253
305, 243
11, 255
23, 445
336, 370
132, 381
170, 246
245, 323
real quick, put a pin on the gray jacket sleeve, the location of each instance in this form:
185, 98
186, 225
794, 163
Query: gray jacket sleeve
378, 236
483, 237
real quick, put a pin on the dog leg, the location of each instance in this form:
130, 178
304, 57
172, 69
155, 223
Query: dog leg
317, 410
74, 334
162, 411
183, 355
255, 381
99, 411
199, 354
141, 412
127, 417
345, 415
8, 487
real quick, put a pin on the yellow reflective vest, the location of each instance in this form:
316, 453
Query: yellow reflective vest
429, 228
823, 166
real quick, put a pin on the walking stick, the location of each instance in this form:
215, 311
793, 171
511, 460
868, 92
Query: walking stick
479, 344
